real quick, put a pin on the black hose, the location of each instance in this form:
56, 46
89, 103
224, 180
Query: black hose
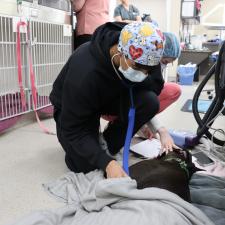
217, 104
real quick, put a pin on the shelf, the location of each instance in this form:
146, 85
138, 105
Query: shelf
191, 21
215, 27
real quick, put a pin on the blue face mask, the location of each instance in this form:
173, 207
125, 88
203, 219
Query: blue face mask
131, 74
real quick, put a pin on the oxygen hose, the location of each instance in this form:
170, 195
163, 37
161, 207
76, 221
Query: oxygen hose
217, 103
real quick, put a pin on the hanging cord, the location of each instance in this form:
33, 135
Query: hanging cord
32, 76
19, 64
19, 4
34, 89
217, 152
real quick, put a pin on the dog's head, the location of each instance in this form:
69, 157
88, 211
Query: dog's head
171, 172
183, 158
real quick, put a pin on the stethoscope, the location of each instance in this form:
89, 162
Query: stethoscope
131, 119
129, 134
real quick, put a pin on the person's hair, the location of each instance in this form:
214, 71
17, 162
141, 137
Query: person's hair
146, 18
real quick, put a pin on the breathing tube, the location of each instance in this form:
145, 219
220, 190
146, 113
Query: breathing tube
218, 102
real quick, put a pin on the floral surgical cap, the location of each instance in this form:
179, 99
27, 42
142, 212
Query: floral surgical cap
142, 42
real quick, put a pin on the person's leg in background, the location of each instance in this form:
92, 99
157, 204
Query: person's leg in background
81, 39
146, 105
169, 94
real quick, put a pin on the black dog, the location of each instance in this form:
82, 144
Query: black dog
171, 172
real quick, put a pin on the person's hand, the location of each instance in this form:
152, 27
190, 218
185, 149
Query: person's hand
145, 132
166, 140
114, 170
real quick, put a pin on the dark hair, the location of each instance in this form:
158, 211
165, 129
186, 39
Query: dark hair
146, 18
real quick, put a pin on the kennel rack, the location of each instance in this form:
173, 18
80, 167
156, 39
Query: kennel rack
49, 41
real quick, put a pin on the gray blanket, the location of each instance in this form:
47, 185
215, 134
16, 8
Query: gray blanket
208, 194
91, 199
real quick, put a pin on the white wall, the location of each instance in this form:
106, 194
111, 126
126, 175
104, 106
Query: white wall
173, 25
156, 8
112, 6
217, 17
165, 12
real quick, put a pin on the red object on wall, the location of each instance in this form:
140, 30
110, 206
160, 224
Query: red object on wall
198, 5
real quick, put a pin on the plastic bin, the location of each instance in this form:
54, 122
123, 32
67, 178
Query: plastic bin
186, 74
183, 138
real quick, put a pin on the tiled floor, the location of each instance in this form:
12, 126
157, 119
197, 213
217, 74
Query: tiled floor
30, 158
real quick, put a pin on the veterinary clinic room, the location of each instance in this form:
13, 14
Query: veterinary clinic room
112, 112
